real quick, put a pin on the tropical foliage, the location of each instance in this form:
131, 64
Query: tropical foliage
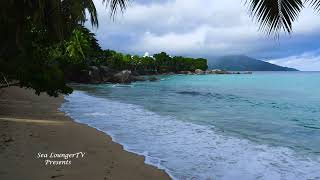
159, 63
277, 15
43, 64
40, 35
42, 40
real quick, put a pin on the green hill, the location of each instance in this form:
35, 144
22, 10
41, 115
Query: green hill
243, 63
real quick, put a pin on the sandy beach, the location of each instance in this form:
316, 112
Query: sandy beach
31, 126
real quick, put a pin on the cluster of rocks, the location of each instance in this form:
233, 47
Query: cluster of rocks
111, 76
201, 72
215, 71
103, 74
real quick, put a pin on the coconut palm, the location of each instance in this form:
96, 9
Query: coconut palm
278, 15
56, 17
77, 45
29, 27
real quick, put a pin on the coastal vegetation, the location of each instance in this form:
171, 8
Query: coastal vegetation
158, 63
47, 67
34, 35
84, 61
43, 41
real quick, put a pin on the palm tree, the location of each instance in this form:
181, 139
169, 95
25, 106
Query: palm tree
56, 17
278, 15
28, 27
77, 45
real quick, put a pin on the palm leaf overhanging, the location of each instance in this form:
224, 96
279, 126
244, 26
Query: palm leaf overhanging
56, 17
37, 33
116, 5
315, 4
275, 15
278, 15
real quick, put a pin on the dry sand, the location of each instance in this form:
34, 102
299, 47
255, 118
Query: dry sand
30, 124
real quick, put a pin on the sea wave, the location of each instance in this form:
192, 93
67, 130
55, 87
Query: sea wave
186, 150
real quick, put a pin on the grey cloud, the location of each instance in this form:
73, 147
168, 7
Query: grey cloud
196, 28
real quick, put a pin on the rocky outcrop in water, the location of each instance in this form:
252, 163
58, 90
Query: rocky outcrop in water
103, 74
199, 72
185, 72
124, 76
217, 71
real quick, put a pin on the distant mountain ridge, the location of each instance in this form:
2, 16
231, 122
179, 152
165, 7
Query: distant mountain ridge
243, 63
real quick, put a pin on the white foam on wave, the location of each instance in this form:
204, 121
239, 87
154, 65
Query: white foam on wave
122, 86
186, 150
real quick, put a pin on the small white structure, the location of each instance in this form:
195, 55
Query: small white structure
146, 54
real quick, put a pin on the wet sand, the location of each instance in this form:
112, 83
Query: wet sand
31, 124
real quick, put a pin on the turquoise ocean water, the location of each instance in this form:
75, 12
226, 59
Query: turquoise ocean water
260, 126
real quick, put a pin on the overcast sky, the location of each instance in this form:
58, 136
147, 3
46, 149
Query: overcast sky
202, 28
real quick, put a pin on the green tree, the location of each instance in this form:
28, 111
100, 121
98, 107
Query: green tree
33, 30
78, 46
135, 61
148, 64
162, 61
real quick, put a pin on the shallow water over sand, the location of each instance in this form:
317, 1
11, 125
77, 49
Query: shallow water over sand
260, 126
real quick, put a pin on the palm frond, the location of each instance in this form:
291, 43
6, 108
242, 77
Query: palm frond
275, 15
116, 5
315, 4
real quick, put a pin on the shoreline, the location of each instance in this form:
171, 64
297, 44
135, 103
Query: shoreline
31, 124
127, 149
195, 146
